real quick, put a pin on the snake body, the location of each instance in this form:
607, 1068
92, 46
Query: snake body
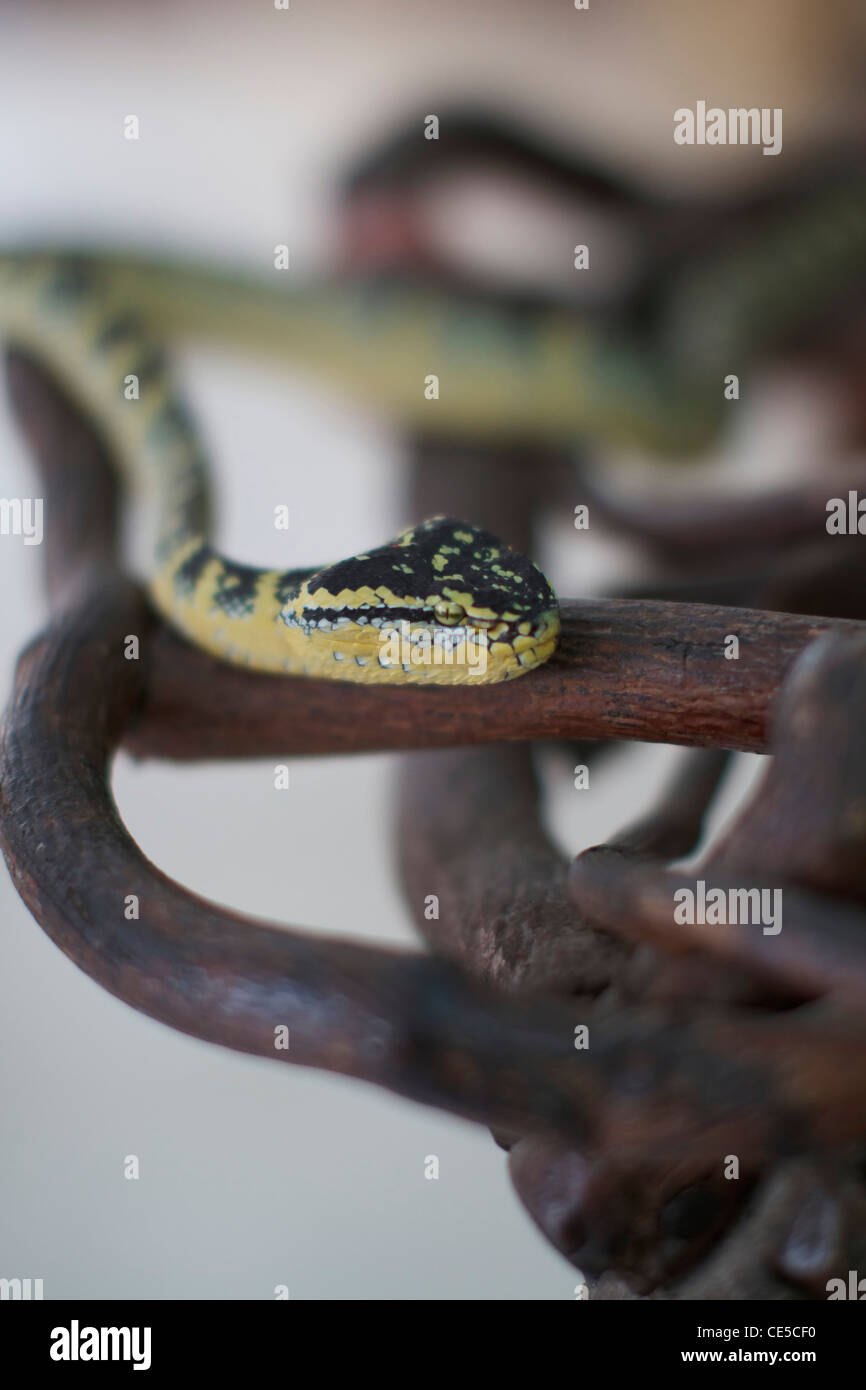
445, 602
539, 371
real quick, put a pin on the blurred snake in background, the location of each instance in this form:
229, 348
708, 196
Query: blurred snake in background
503, 370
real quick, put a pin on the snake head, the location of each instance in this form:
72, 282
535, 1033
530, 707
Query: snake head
445, 602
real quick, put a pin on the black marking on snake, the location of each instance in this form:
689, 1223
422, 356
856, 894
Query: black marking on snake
171, 425
236, 587
122, 328
288, 585
469, 334
188, 574
73, 280
150, 367
189, 476
385, 617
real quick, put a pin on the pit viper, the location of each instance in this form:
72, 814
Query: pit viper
444, 603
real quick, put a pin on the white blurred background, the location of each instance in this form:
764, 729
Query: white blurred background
254, 1175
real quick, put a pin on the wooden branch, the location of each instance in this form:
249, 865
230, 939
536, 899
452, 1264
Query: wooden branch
624, 670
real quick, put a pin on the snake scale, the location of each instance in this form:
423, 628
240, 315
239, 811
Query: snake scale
98, 321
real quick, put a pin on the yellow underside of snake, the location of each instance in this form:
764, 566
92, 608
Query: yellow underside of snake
445, 603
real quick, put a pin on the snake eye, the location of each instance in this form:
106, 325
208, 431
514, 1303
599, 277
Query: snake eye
449, 612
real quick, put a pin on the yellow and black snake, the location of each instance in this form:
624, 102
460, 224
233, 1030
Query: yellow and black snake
445, 602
